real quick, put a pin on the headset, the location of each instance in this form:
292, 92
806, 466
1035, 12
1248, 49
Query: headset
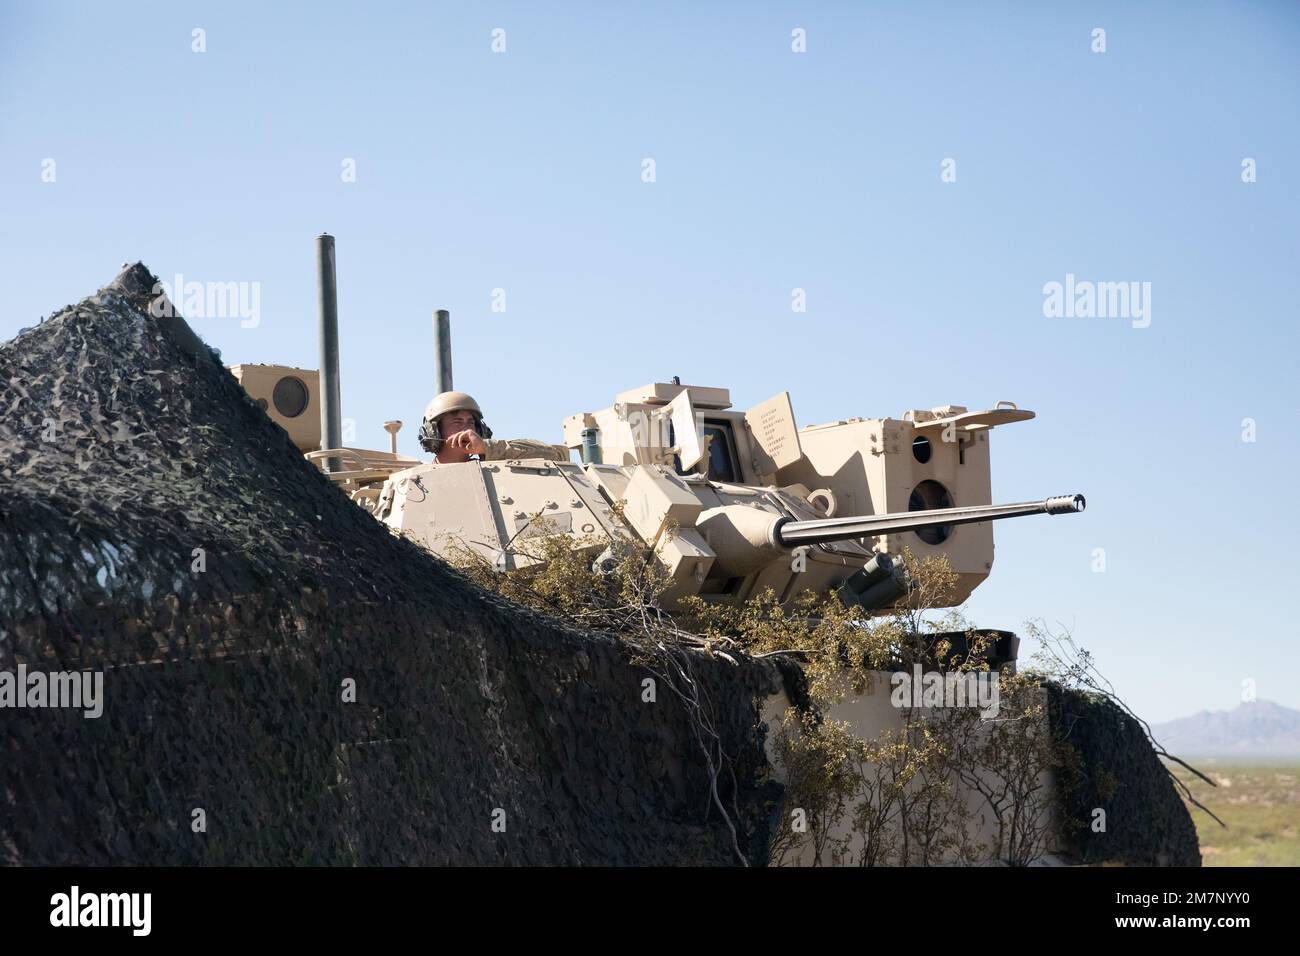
431, 438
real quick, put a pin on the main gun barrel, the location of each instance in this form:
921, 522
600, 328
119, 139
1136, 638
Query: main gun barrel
792, 534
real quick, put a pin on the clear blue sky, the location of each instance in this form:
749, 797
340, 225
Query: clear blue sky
775, 170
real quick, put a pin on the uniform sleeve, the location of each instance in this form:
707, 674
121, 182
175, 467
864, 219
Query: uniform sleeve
498, 450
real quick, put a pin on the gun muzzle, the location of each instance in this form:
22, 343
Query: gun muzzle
792, 534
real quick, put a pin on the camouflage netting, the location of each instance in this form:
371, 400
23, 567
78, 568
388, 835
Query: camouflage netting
125, 447
1110, 765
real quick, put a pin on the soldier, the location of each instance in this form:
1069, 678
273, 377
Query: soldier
454, 431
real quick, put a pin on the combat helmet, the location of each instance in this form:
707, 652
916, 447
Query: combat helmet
444, 402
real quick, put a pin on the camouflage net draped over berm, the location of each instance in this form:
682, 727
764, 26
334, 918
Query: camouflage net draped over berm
157, 527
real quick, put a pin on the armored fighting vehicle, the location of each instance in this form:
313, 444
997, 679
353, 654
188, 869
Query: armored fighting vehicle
733, 503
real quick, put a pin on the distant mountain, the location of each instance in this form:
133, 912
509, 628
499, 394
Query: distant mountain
1260, 728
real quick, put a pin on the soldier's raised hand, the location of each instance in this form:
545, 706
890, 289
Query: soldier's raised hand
468, 440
